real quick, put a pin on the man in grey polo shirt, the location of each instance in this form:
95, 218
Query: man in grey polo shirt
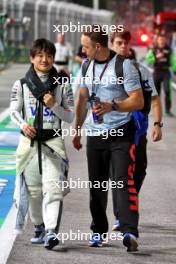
115, 106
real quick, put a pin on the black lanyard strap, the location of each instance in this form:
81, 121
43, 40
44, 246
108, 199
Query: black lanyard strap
101, 75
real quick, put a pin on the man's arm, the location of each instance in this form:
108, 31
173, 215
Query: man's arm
135, 101
157, 114
16, 105
81, 107
64, 111
81, 113
132, 86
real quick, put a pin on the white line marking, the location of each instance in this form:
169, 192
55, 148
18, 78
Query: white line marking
3, 180
7, 235
2, 184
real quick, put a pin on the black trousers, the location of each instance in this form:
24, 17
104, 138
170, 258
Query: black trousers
139, 172
163, 76
120, 153
141, 162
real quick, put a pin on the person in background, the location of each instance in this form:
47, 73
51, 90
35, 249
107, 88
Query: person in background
120, 43
162, 58
63, 56
81, 55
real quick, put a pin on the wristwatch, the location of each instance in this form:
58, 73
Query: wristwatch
114, 105
160, 124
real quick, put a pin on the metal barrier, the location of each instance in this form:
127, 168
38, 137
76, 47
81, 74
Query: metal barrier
32, 19
25, 20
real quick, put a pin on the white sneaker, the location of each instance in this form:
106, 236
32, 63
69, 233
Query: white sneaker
116, 225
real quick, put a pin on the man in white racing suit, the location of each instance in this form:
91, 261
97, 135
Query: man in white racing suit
38, 105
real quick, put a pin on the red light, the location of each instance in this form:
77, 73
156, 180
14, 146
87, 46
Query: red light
144, 38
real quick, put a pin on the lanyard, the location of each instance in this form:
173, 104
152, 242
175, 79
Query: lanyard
101, 75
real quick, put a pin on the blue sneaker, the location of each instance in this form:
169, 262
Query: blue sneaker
51, 239
39, 233
96, 240
130, 241
116, 225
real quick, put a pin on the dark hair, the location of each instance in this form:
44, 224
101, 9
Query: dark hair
162, 35
42, 44
97, 35
126, 35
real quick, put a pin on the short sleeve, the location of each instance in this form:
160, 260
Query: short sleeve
131, 76
147, 76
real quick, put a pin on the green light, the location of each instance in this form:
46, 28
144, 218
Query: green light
1, 221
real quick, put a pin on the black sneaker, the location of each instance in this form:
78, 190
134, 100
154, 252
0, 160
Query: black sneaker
130, 241
51, 239
169, 114
39, 233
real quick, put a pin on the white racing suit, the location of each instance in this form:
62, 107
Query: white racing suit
43, 193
